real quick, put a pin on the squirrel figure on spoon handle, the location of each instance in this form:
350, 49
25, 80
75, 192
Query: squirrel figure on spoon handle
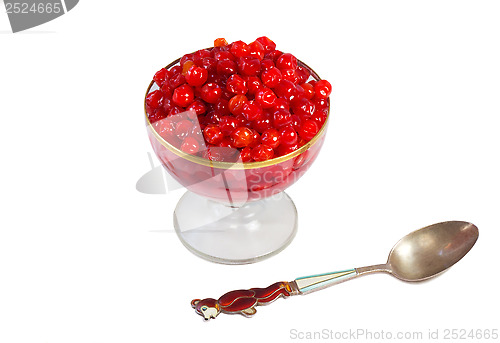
418, 256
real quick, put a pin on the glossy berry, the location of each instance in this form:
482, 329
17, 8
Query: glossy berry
322, 89
227, 124
160, 76
267, 44
236, 104
242, 137
236, 85
262, 152
271, 137
183, 96
196, 76
281, 118
249, 66
303, 107
288, 136
183, 128
308, 130
246, 154
198, 107
213, 134
251, 111
240, 49
154, 99
211, 92
190, 145
256, 49
226, 67
286, 61
265, 97
271, 77
220, 42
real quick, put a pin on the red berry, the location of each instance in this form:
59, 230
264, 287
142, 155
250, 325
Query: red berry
190, 145
281, 118
242, 137
251, 111
253, 84
198, 107
160, 76
226, 67
235, 84
271, 137
308, 90
308, 130
213, 134
183, 128
268, 44
154, 99
165, 128
257, 50
183, 96
286, 61
290, 75
246, 154
211, 92
286, 149
239, 49
262, 124
322, 89
236, 104
266, 98
249, 66
196, 76
227, 124
303, 108
286, 89
176, 80
271, 77
303, 74
266, 64
288, 136
262, 152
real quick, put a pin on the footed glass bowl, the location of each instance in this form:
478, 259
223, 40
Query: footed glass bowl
235, 212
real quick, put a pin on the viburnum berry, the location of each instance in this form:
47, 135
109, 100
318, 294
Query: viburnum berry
267, 44
256, 49
211, 92
288, 136
239, 49
251, 111
236, 84
271, 77
227, 124
271, 137
160, 76
303, 107
154, 99
198, 107
265, 97
183, 128
262, 152
322, 89
286, 61
246, 154
190, 145
242, 137
213, 134
281, 118
308, 130
249, 66
236, 103
183, 96
220, 42
196, 76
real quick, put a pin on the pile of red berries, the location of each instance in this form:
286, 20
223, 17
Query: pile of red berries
252, 98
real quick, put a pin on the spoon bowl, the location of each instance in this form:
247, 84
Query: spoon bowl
429, 251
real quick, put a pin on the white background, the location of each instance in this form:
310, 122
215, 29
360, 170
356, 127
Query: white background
414, 139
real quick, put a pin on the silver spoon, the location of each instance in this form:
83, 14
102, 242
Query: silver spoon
418, 256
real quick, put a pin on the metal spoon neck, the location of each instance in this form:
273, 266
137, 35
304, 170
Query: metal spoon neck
377, 268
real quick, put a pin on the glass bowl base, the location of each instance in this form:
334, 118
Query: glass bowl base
235, 234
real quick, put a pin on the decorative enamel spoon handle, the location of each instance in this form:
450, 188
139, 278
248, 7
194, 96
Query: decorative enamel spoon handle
243, 301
